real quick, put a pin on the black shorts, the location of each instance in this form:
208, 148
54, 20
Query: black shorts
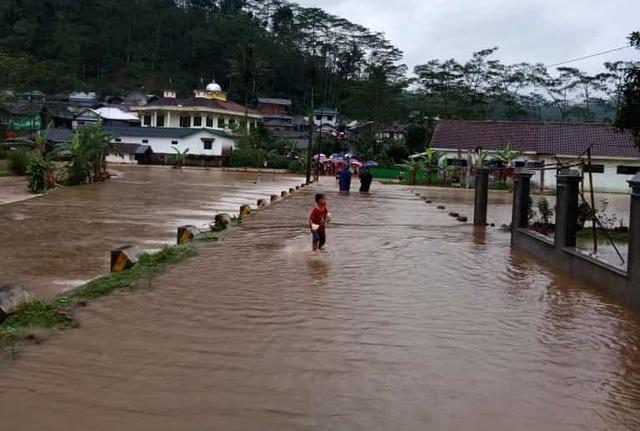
318, 237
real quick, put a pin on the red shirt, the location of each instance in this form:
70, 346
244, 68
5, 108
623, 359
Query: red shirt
318, 216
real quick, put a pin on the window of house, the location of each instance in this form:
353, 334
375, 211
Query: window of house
628, 170
197, 121
160, 121
147, 120
185, 121
329, 117
118, 140
174, 142
594, 169
145, 141
318, 117
209, 122
220, 122
253, 125
462, 163
232, 122
243, 124
208, 144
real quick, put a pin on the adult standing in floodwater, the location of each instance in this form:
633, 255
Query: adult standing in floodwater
365, 180
345, 179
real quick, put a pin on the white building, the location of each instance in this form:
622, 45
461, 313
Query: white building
207, 108
326, 117
615, 158
206, 146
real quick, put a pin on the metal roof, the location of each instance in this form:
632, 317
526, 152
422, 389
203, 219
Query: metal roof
272, 101
568, 139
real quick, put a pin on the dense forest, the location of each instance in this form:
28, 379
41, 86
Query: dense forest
277, 48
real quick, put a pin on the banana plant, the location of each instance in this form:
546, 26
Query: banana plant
179, 158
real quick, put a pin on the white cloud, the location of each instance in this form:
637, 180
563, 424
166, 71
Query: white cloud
545, 31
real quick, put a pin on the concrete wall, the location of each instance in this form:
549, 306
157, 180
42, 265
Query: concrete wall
128, 159
561, 252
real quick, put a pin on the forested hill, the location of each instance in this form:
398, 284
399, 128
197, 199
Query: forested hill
254, 47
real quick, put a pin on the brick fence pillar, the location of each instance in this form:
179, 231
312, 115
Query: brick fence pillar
482, 197
567, 208
520, 210
633, 263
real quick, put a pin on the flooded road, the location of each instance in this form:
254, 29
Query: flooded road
410, 321
52, 243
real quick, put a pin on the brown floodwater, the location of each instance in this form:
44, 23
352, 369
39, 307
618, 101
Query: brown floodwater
409, 321
53, 243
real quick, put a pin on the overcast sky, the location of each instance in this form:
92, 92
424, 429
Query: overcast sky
546, 31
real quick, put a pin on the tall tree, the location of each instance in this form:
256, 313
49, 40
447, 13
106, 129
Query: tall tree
629, 111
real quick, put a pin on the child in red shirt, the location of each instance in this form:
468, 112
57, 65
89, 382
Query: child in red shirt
317, 221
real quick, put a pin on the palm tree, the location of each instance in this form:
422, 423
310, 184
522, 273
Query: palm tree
248, 68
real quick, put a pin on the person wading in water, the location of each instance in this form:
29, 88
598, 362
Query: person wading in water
317, 221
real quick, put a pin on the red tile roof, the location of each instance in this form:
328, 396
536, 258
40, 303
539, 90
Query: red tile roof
225, 105
568, 139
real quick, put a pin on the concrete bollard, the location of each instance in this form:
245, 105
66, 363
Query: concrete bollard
222, 221
11, 298
274, 198
124, 258
303, 185
186, 234
297, 187
283, 194
262, 203
462, 219
442, 207
292, 191
245, 211
454, 214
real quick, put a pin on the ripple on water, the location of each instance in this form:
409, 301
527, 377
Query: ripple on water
408, 321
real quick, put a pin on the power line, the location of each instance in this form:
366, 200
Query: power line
589, 56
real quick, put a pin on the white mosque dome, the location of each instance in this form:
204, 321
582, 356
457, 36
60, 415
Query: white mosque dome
213, 87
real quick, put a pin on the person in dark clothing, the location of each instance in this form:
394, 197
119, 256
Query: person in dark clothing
365, 180
345, 180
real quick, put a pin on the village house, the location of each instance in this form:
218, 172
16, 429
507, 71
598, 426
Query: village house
614, 157
153, 145
207, 108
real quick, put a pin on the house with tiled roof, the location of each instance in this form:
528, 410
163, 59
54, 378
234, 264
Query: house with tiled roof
207, 107
614, 156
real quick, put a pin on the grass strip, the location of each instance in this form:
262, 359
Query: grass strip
56, 314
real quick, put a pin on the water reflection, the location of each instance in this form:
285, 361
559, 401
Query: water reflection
58, 241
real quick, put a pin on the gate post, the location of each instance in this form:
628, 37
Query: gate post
633, 260
520, 210
482, 197
567, 208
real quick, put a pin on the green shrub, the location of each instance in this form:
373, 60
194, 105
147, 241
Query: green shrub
17, 161
296, 167
40, 173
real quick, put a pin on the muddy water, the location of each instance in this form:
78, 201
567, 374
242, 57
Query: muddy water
410, 321
56, 242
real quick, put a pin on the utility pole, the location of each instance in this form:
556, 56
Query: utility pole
317, 175
311, 127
